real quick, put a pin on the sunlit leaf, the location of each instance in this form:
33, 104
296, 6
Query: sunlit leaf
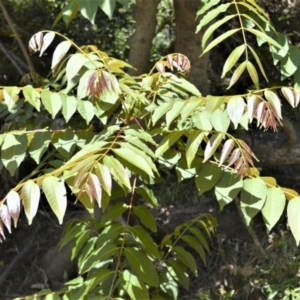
30, 199
56, 194
293, 212
235, 109
59, 52
212, 145
232, 59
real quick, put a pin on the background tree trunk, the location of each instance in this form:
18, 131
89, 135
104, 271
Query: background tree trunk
189, 43
141, 41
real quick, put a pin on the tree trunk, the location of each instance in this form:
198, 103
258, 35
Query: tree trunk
141, 41
189, 43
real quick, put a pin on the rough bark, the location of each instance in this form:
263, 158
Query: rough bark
274, 148
189, 43
141, 41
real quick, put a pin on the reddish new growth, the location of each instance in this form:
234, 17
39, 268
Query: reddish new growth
174, 61
101, 81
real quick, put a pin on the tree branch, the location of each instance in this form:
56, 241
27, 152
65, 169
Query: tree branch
17, 36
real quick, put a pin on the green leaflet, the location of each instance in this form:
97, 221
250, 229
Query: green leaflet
220, 39
11, 98
141, 265
212, 145
117, 170
32, 96
174, 112
147, 195
253, 197
178, 271
52, 102
264, 37
201, 120
146, 217
253, 74
64, 142
13, 151
104, 177
232, 59
211, 15
196, 245
214, 26
88, 9
30, 199
160, 111
228, 187
101, 254
56, 194
220, 120
293, 212
192, 146
186, 258
146, 240
290, 63
86, 110
274, 207
237, 74
134, 286
207, 177
168, 141
38, 144
133, 158
114, 212
69, 106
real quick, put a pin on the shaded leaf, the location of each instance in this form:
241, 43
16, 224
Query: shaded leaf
146, 217
207, 177
253, 197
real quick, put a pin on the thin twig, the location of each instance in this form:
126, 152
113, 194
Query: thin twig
17, 36
250, 230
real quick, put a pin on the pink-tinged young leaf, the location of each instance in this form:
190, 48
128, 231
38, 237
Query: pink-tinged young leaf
274, 101
248, 158
36, 42
13, 204
160, 67
297, 97
235, 154
59, 52
94, 188
235, 109
289, 95
226, 150
252, 103
31, 198
5, 217
1, 231
170, 61
212, 145
48, 38
261, 110
244, 145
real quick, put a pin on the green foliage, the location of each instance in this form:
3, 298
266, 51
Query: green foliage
106, 134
